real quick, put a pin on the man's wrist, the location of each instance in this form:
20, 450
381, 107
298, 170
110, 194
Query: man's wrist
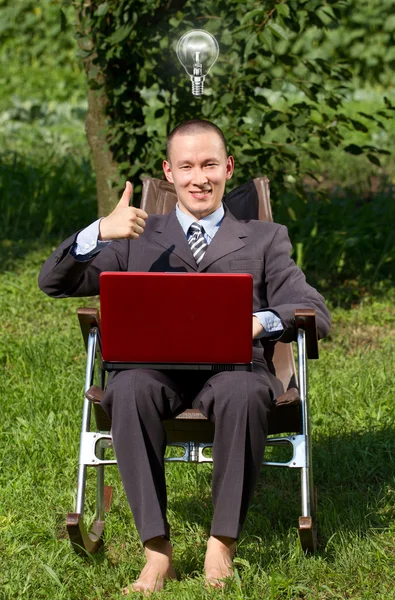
271, 324
102, 231
257, 327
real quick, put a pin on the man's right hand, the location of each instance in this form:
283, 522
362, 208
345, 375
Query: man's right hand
125, 222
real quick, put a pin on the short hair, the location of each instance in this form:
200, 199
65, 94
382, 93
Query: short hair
194, 126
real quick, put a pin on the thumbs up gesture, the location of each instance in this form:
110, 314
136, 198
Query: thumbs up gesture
125, 222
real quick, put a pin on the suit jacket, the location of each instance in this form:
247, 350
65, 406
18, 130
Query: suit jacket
256, 247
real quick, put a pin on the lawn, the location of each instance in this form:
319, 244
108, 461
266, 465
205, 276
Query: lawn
41, 382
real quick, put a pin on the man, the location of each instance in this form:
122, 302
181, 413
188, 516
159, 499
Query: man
138, 400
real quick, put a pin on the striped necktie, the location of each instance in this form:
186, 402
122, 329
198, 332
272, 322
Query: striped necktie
197, 242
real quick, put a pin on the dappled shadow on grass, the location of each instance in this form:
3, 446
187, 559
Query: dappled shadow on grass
43, 199
13, 252
344, 240
354, 477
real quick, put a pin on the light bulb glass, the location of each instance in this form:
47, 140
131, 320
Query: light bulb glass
197, 51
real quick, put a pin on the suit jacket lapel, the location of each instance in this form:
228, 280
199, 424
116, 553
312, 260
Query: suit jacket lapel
227, 239
171, 236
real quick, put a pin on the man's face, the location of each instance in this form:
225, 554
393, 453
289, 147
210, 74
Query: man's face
199, 168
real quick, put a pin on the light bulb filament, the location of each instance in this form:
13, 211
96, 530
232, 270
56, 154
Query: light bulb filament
197, 51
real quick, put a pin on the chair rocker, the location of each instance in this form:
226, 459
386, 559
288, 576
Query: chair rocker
289, 424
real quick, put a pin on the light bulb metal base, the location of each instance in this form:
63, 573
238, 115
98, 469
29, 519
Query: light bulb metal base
197, 85
197, 51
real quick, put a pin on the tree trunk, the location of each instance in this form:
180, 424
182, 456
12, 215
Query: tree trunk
104, 165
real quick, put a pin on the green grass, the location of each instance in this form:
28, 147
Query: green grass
41, 378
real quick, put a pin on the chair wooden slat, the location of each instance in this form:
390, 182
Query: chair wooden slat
88, 318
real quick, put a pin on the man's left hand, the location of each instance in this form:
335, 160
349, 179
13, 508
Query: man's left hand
257, 327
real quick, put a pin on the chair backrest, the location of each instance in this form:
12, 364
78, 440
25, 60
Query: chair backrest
250, 200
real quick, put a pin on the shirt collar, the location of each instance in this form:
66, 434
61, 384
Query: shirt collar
209, 223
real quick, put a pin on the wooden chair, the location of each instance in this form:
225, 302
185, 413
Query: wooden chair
191, 430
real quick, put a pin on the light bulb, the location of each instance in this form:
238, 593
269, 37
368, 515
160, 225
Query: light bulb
197, 51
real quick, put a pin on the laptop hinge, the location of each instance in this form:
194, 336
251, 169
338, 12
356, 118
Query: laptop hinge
216, 368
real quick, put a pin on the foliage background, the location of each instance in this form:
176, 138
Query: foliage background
277, 89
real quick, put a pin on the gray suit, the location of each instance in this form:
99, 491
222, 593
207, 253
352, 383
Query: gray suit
238, 402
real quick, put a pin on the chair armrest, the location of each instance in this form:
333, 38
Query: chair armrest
88, 318
305, 319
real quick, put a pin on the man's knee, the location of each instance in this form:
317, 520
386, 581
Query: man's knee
143, 390
237, 391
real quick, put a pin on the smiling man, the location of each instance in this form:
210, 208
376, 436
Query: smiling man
199, 235
198, 165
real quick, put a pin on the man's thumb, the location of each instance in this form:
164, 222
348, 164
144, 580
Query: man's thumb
127, 194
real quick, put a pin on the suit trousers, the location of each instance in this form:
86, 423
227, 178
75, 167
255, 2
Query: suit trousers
238, 402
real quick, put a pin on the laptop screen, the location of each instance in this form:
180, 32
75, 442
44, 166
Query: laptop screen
178, 318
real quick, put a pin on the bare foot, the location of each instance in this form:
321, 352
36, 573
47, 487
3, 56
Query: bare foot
218, 563
158, 568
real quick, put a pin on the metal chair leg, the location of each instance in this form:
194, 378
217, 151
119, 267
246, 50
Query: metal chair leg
308, 520
86, 540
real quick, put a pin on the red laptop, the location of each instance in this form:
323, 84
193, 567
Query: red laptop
176, 320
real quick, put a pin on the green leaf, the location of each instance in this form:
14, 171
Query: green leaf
325, 145
326, 14
333, 103
374, 149
250, 15
63, 21
359, 126
283, 9
102, 9
309, 91
277, 31
226, 37
270, 115
324, 64
366, 116
353, 149
120, 34
243, 562
374, 159
287, 59
313, 175
299, 120
174, 22
52, 574
83, 53
389, 23
120, 90
299, 254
